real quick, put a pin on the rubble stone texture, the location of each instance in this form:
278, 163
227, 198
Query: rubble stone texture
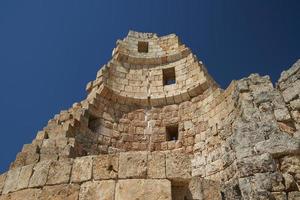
156, 126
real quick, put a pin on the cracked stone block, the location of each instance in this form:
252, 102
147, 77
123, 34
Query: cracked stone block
60, 192
178, 166
28, 194
256, 164
60, 172
98, 190
24, 176
279, 145
105, 167
156, 165
40, 174
82, 169
11, 181
133, 165
143, 189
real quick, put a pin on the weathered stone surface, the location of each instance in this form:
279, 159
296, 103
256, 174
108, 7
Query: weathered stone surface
133, 165
295, 104
101, 190
282, 114
105, 167
279, 196
24, 176
156, 165
60, 192
269, 182
28, 194
82, 169
256, 164
59, 172
11, 182
200, 188
279, 145
289, 182
149, 189
40, 174
294, 195
2, 181
178, 167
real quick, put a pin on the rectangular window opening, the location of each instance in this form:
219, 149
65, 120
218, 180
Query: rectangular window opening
142, 47
93, 123
172, 132
169, 76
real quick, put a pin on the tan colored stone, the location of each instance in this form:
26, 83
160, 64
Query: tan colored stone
294, 195
133, 165
28, 194
60, 192
100, 190
11, 181
156, 165
82, 169
60, 172
24, 177
105, 167
279, 195
178, 166
2, 181
143, 189
40, 174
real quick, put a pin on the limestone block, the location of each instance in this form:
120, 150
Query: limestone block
105, 167
279, 145
82, 169
40, 174
178, 166
59, 172
269, 182
290, 183
279, 196
290, 72
295, 104
291, 165
143, 189
2, 181
294, 195
291, 92
28, 194
282, 114
214, 167
60, 192
101, 190
188, 125
133, 165
11, 181
24, 176
156, 165
255, 164
242, 86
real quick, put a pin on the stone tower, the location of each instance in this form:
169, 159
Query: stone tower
156, 126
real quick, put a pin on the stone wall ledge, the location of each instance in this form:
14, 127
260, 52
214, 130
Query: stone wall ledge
126, 165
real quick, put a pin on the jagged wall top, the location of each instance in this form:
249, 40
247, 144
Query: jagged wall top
135, 77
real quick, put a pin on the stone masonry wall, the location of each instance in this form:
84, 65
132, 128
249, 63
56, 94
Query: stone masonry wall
239, 143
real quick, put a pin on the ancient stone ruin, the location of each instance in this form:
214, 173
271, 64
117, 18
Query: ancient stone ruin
156, 126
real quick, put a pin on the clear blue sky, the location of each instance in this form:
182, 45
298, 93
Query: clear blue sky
50, 49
